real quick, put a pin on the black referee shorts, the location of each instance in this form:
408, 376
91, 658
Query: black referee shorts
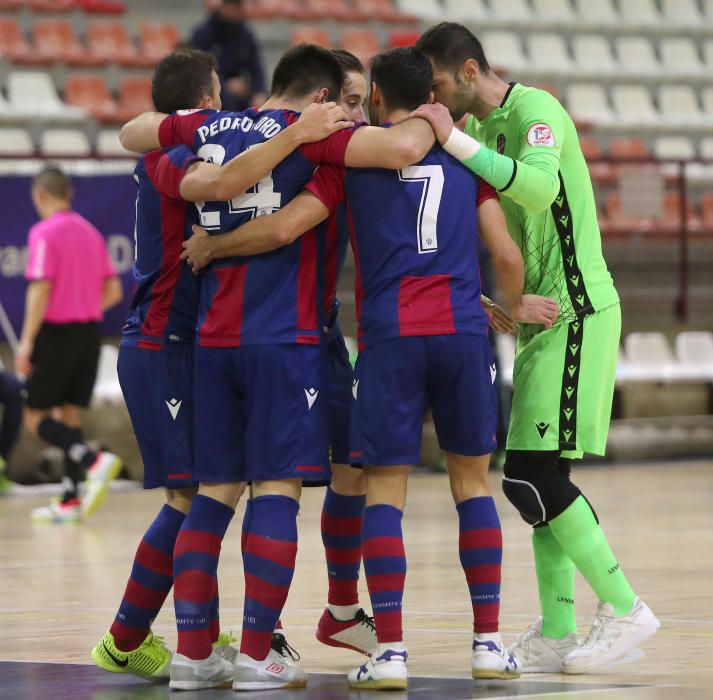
64, 365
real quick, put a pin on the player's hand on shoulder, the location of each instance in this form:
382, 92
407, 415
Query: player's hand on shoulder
318, 121
500, 320
196, 250
438, 116
536, 309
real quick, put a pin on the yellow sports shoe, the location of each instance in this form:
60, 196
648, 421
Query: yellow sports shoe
151, 660
222, 646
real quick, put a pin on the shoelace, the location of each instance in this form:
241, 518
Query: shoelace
365, 619
279, 644
598, 630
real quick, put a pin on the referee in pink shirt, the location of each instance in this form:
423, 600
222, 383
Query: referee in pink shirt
72, 281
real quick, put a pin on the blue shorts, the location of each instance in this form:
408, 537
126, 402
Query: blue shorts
341, 377
260, 414
158, 390
398, 378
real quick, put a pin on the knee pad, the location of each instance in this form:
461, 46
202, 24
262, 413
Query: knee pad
537, 486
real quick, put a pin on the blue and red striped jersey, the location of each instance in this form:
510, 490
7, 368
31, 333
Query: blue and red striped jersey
414, 236
336, 235
270, 298
164, 307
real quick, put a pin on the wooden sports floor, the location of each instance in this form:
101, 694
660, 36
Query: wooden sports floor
60, 585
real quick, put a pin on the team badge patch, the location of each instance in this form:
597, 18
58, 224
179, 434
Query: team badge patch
501, 144
540, 135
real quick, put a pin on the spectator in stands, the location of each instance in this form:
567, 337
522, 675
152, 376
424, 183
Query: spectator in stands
11, 400
72, 281
226, 35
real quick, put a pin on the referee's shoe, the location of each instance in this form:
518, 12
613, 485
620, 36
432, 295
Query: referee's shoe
105, 468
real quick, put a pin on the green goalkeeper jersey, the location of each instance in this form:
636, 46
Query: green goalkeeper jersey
548, 201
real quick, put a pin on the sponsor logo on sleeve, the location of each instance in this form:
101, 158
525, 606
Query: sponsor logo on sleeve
540, 135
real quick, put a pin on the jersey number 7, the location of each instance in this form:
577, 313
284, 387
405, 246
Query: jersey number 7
431, 178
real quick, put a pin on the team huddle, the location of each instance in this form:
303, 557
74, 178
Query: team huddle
238, 380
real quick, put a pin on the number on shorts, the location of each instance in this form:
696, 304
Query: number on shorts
432, 179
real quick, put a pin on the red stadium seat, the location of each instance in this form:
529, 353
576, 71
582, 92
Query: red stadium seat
57, 41
271, 9
14, 46
707, 213
362, 43
310, 35
109, 42
134, 98
382, 11
327, 9
627, 149
668, 223
158, 40
102, 7
53, 6
92, 93
600, 172
403, 39
10, 5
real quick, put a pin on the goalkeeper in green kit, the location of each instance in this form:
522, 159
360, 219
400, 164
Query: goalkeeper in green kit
523, 142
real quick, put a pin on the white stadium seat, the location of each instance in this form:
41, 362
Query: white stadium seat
650, 358
708, 53
108, 144
15, 142
674, 148
600, 14
511, 10
639, 13
589, 102
633, 106
64, 142
679, 56
681, 13
636, 56
107, 388
694, 349
593, 55
707, 99
552, 13
466, 10
679, 107
548, 53
706, 148
425, 9
33, 93
504, 49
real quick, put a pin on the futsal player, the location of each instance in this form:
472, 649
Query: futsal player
524, 143
72, 282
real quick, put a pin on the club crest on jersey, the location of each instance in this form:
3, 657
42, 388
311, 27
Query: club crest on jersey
540, 135
501, 144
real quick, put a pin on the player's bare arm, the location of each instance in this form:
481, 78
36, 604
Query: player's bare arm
510, 268
402, 145
207, 182
260, 235
531, 181
112, 293
38, 295
500, 320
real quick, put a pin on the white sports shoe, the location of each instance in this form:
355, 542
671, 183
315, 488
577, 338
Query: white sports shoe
58, 512
278, 669
223, 646
612, 637
213, 672
385, 669
538, 654
490, 659
105, 468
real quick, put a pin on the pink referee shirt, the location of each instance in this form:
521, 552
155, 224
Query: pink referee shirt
68, 250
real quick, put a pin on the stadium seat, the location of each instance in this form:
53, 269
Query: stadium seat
681, 13
600, 171
57, 41
403, 39
679, 107
505, 349
53, 6
310, 35
157, 40
509, 11
326, 9
362, 43
92, 93
10, 5
634, 106
14, 46
34, 94
504, 50
694, 349
109, 42
707, 212
593, 55
548, 53
707, 100
134, 98
64, 142
107, 388
381, 10
597, 15
429, 10
636, 56
466, 10
650, 356
552, 13
16, 142
589, 102
679, 56
674, 148
708, 54
628, 149
108, 144
668, 223
271, 9
639, 13
102, 7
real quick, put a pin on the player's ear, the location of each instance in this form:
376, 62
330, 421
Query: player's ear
471, 70
322, 96
375, 94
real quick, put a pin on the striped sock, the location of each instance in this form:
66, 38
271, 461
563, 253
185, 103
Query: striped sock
481, 554
385, 567
195, 564
269, 561
342, 520
214, 618
150, 581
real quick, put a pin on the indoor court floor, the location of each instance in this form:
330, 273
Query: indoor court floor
60, 586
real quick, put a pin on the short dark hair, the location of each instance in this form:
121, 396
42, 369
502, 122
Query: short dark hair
450, 45
404, 76
181, 79
53, 181
348, 61
233, 2
305, 68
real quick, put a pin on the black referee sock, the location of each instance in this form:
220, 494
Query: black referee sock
69, 440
